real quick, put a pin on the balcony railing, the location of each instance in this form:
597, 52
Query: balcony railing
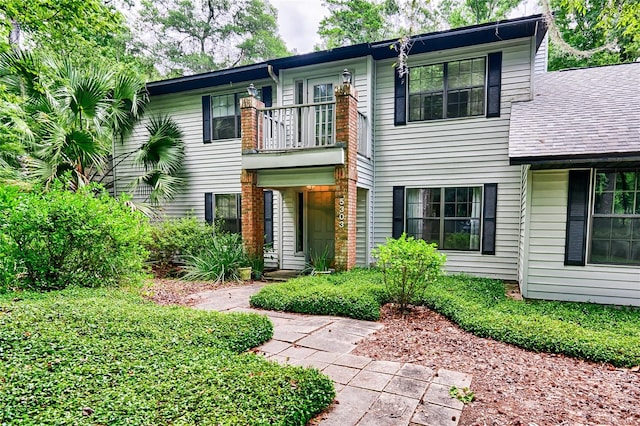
297, 126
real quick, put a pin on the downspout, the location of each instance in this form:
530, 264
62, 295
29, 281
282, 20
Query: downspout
372, 202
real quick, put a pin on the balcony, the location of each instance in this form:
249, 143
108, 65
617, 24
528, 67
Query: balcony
300, 136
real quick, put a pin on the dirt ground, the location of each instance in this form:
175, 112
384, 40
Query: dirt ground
512, 386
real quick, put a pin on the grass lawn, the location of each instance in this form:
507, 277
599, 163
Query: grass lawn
87, 356
478, 305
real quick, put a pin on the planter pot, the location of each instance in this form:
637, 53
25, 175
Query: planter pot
245, 273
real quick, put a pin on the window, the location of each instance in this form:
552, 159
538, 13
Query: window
225, 115
615, 226
449, 217
447, 90
228, 212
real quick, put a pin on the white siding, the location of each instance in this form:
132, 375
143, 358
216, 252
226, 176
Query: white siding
290, 259
547, 276
455, 152
542, 56
361, 228
522, 249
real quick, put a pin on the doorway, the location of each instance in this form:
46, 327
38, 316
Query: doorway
320, 224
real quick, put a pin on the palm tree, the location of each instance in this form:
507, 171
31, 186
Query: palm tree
76, 115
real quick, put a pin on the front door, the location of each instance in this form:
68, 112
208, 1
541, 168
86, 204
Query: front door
320, 224
321, 91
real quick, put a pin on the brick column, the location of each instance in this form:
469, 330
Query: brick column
346, 177
252, 196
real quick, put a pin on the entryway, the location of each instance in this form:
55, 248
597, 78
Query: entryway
320, 224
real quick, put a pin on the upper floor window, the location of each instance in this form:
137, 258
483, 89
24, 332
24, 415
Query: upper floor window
225, 115
615, 227
447, 90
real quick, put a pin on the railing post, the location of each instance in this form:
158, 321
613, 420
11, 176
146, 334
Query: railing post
252, 195
346, 176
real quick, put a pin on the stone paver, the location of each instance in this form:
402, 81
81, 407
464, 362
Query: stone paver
370, 380
435, 415
406, 387
340, 374
391, 410
369, 392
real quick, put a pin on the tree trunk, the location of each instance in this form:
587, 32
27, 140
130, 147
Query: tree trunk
15, 36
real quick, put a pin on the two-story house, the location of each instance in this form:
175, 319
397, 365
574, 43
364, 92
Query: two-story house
334, 151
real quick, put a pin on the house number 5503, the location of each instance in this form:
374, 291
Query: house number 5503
341, 214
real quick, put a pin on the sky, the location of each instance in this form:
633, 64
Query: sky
298, 21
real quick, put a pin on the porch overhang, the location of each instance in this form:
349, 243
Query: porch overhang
295, 158
296, 177
603, 160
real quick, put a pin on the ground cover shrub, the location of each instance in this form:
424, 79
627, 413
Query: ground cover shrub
408, 266
175, 239
356, 294
218, 262
55, 238
103, 356
583, 330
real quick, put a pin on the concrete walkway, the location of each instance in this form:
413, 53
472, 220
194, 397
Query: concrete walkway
369, 392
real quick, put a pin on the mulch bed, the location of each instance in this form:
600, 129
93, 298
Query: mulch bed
513, 386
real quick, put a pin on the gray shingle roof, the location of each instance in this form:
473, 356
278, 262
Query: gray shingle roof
584, 113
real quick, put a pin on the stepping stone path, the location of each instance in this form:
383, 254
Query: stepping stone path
369, 392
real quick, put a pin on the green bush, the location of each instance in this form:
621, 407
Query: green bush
175, 239
408, 266
56, 238
102, 356
356, 294
589, 331
220, 261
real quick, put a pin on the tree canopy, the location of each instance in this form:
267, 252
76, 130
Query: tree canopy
191, 36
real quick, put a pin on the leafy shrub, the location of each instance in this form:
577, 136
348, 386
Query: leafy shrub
356, 294
220, 261
592, 332
408, 266
133, 362
60, 238
176, 239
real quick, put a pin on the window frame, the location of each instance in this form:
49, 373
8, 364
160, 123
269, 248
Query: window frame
593, 216
445, 90
217, 218
237, 125
443, 219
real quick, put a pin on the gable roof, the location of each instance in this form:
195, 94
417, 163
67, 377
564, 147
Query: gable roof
578, 116
459, 37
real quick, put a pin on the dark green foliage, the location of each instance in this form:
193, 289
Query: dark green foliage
479, 305
408, 267
175, 239
592, 332
356, 294
132, 362
59, 238
219, 261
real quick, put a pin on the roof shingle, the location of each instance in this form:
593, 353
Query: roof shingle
583, 113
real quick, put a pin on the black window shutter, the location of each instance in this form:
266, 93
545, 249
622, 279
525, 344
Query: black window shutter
268, 217
208, 207
239, 213
494, 83
577, 215
400, 114
398, 211
267, 98
206, 119
489, 218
